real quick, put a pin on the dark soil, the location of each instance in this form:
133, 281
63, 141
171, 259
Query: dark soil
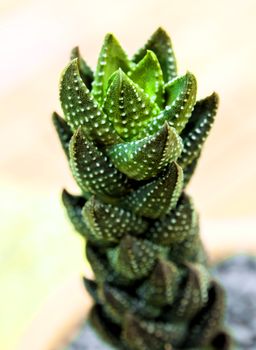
238, 276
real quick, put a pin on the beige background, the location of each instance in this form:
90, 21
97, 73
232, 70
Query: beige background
213, 39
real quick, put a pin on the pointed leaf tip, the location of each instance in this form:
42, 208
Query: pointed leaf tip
84, 69
162, 148
111, 58
93, 171
160, 44
81, 110
64, 132
128, 107
109, 223
148, 75
157, 197
197, 129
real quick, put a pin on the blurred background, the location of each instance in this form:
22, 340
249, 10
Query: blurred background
39, 251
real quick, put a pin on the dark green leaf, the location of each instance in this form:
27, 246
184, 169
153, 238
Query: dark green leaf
161, 149
157, 197
197, 129
111, 58
134, 258
161, 45
81, 110
109, 223
177, 225
128, 107
64, 132
92, 170
85, 71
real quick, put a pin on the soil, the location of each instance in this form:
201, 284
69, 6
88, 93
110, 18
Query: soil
238, 276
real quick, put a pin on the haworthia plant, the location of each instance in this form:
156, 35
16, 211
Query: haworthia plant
133, 132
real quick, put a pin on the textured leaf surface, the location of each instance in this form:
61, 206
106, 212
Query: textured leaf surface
111, 58
203, 327
148, 75
161, 45
64, 132
161, 287
134, 258
92, 170
181, 97
85, 71
145, 158
158, 196
177, 225
193, 293
102, 269
144, 335
197, 129
118, 302
109, 222
128, 107
74, 205
81, 110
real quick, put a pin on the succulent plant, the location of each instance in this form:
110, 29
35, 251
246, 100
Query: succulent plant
133, 133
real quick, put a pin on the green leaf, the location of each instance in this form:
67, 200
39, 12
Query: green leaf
177, 225
74, 205
161, 286
85, 71
111, 58
181, 97
158, 196
109, 223
81, 110
128, 107
98, 262
161, 45
197, 129
134, 258
117, 302
191, 248
92, 288
206, 324
142, 334
193, 292
190, 169
148, 75
108, 331
161, 149
64, 132
92, 170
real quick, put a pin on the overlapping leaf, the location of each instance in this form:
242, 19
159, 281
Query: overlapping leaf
74, 205
197, 129
157, 197
161, 45
109, 223
80, 109
147, 334
161, 286
92, 170
64, 132
148, 75
162, 148
177, 225
134, 258
85, 71
128, 107
111, 58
